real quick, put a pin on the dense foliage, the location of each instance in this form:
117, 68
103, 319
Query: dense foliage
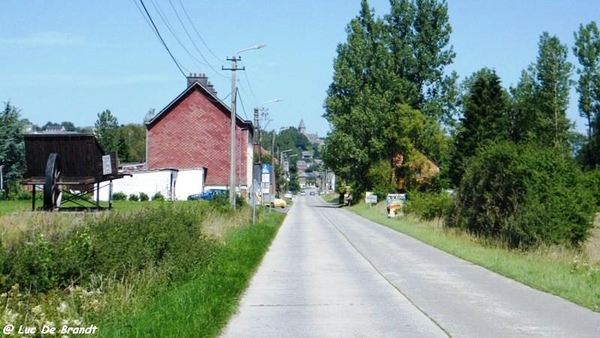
524, 195
485, 119
388, 90
114, 246
429, 206
106, 127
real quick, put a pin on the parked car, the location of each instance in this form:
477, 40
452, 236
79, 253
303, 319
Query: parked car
209, 194
302, 193
279, 203
288, 195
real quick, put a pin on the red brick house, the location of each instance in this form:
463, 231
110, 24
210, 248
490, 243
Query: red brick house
193, 131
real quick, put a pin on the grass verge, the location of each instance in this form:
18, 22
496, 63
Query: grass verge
561, 272
202, 306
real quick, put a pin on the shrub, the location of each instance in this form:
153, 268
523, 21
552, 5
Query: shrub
134, 197
523, 195
593, 182
428, 206
119, 196
168, 237
23, 195
144, 197
379, 178
158, 197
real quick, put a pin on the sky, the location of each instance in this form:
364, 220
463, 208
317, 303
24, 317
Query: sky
68, 60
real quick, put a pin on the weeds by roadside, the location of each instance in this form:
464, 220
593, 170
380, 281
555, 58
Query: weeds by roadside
111, 269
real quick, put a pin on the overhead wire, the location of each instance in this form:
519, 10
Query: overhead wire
179, 66
195, 30
192, 40
250, 87
145, 18
160, 12
242, 103
170, 28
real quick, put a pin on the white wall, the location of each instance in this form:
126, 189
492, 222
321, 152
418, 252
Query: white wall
148, 182
189, 182
172, 184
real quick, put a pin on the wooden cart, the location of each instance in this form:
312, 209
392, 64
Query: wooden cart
70, 167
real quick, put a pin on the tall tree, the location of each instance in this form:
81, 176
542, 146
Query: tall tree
132, 138
587, 51
485, 119
12, 148
541, 98
525, 113
356, 105
384, 71
553, 73
418, 33
107, 126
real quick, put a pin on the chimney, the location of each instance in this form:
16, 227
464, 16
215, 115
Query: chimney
200, 78
211, 89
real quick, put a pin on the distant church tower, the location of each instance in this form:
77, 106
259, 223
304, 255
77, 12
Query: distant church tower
302, 127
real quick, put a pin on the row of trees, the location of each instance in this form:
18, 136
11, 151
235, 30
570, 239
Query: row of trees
390, 95
391, 103
128, 141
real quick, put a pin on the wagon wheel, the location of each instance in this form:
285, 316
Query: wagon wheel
52, 192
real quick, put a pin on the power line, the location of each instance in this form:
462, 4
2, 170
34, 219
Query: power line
242, 103
145, 18
195, 30
192, 40
250, 87
165, 21
161, 39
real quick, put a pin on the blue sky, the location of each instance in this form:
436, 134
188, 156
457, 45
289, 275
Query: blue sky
64, 60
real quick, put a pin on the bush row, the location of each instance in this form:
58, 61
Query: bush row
429, 206
169, 236
524, 195
142, 196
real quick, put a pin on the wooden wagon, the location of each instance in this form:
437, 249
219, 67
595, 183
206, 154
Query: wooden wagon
72, 165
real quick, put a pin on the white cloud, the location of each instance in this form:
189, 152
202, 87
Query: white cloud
44, 39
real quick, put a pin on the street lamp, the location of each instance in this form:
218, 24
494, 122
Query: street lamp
234, 60
281, 155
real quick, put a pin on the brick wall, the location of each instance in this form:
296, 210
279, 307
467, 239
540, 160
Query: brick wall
195, 133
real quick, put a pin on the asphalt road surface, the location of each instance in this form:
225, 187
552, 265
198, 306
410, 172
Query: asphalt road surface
330, 273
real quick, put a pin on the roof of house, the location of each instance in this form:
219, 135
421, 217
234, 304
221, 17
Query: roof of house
209, 96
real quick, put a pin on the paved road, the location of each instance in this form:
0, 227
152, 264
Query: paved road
330, 273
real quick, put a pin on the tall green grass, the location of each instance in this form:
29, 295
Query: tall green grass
572, 274
126, 271
202, 306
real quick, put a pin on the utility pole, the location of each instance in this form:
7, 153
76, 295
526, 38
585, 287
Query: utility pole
233, 69
234, 60
273, 186
257, 135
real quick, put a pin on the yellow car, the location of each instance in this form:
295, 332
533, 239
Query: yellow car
277, 203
